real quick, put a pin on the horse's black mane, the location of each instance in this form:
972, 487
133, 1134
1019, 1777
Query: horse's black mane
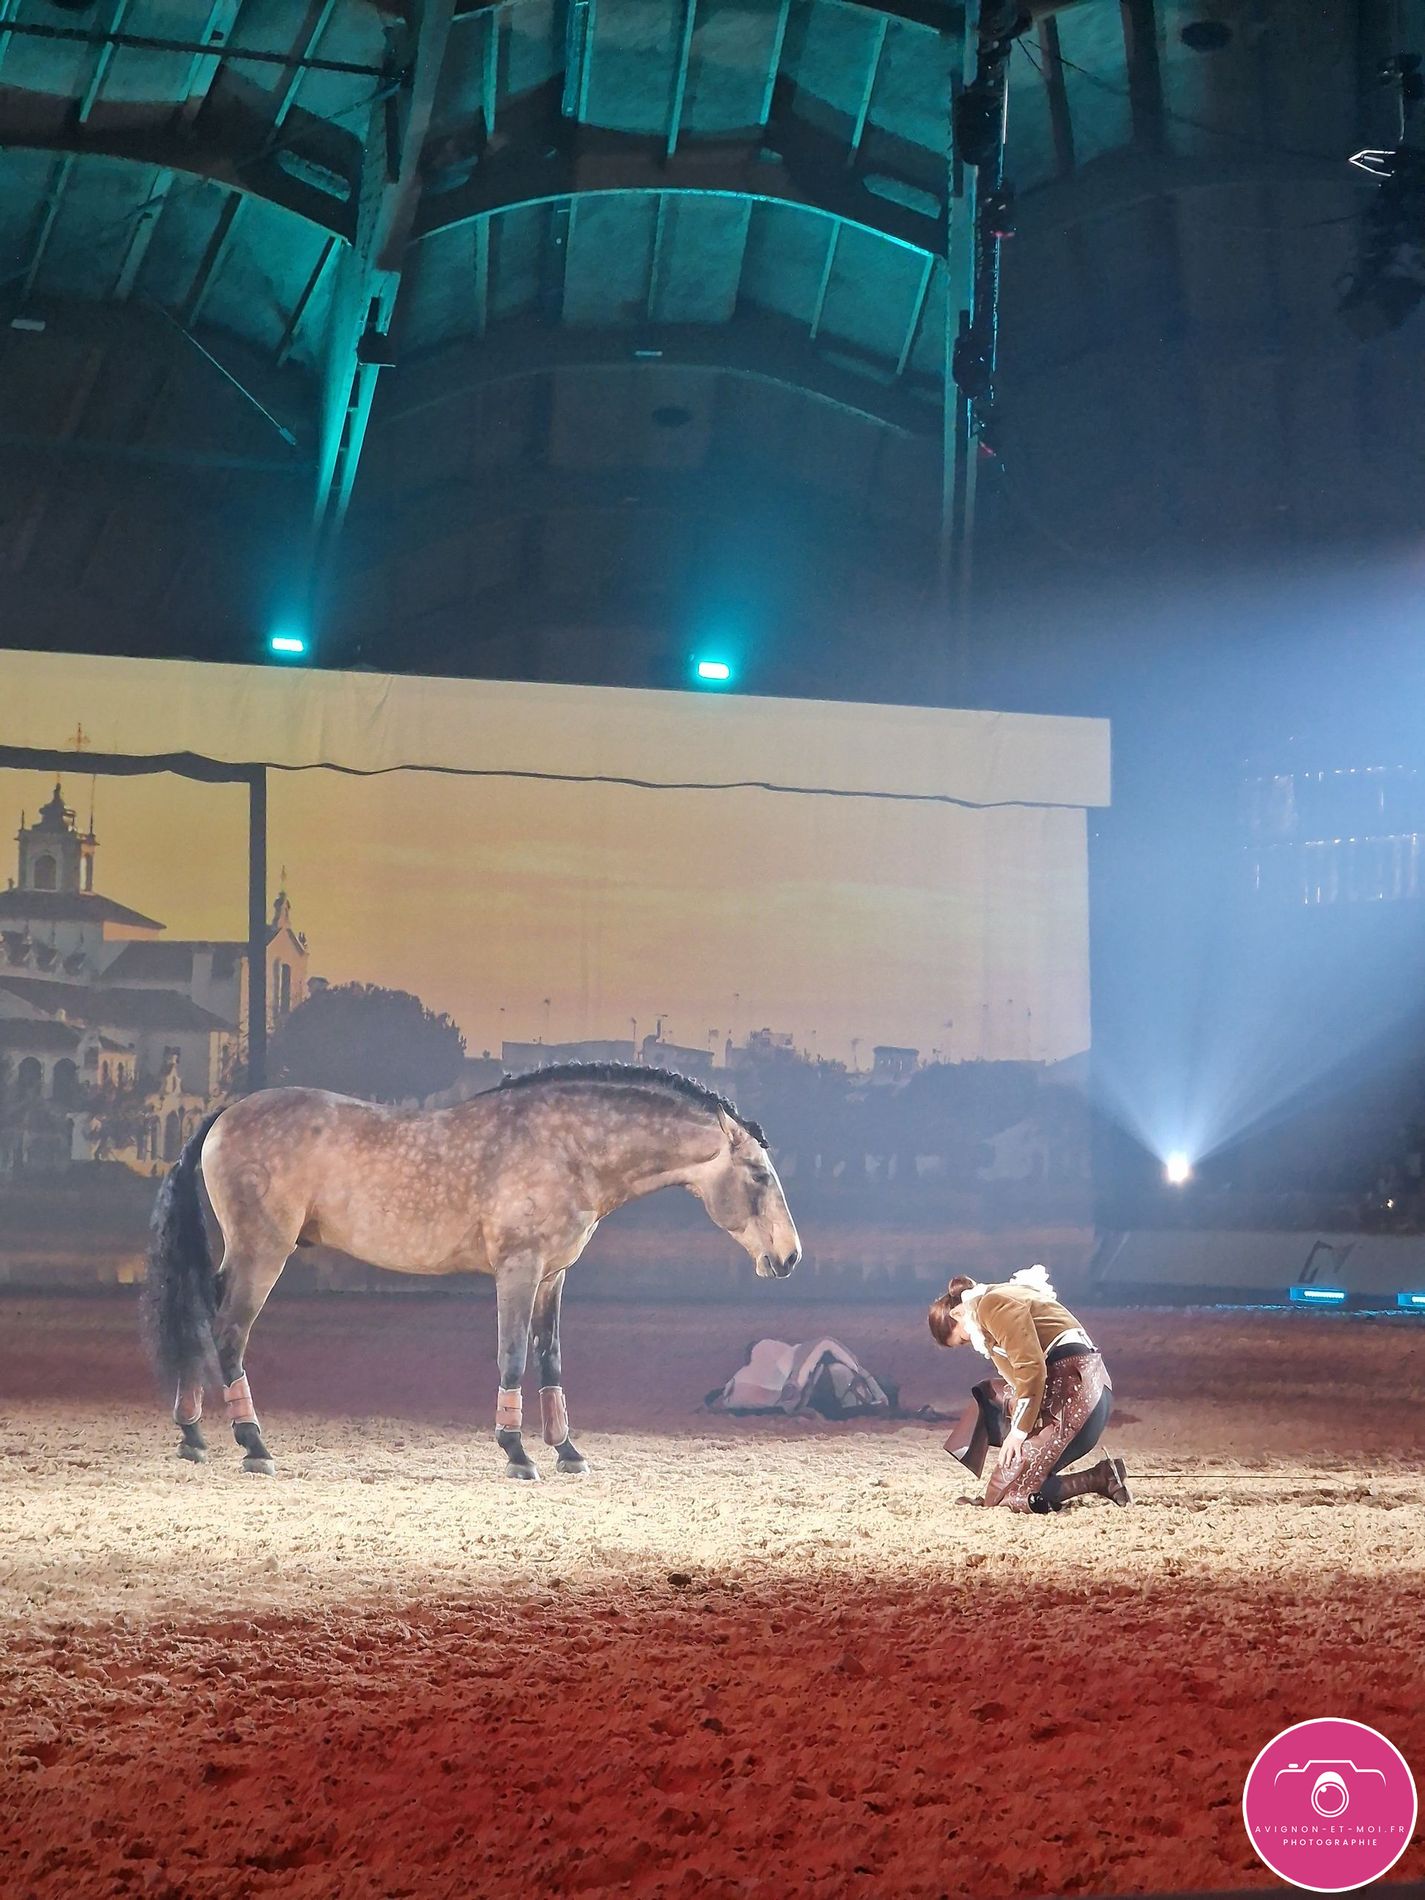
629, 1075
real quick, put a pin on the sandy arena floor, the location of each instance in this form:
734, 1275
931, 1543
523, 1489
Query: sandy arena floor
738, 1659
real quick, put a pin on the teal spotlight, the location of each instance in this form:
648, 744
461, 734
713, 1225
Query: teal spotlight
712, 672
1317, 1295
288, 646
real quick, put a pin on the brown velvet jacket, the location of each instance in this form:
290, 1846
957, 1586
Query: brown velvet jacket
1020, 1326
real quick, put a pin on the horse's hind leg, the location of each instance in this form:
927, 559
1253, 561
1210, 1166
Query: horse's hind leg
247, 1279
515, 1284
187, 1414
554, 1412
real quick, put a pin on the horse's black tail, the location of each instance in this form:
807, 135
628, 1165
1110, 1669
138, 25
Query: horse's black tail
180, 1296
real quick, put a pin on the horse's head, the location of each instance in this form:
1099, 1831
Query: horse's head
740, 1190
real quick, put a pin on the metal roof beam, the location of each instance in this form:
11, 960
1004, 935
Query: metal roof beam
482, 276
912, 329
655, 257
145, 224
1145, 80
578, 58
868, 90
792, 163
680, 75
554, 260
805, 169
1061, 124
90, 96
299, 309
240, 157
49, 215
828, 266
211, 261
490, 72
319, 14
774, 60
940, 16
233, 380
369, 271
8, 10
112, 41
205, 67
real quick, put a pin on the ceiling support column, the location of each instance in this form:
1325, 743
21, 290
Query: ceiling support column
368, 281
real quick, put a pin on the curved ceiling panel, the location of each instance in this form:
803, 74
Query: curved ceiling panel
312, 189
257, 170
644, 258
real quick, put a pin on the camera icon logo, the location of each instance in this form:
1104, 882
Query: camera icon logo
1331, 1790
1329, 1805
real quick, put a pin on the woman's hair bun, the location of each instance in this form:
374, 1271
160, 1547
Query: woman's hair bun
960, 1282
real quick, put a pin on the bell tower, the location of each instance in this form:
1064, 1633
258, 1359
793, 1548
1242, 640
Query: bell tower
53, 854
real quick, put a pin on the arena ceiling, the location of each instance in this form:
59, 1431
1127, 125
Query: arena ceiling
552, 300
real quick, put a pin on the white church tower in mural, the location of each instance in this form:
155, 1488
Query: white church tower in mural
108, 1023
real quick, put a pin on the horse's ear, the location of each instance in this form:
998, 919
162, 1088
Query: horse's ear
735, 1132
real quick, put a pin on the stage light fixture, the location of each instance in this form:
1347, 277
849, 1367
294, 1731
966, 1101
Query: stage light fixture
1177, 1169
1317, 1295
712, 672
1412, 1302
287, 646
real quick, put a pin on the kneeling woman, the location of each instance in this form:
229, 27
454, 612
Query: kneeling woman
1056, 1397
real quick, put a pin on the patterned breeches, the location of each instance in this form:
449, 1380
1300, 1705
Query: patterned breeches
1074, 1388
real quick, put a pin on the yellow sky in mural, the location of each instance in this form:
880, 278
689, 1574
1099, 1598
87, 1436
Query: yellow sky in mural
848, 922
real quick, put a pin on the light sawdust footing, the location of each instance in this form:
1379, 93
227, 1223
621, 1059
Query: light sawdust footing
738, 1659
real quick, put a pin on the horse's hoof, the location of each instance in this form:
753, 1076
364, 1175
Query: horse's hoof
260, 1467
195, 1454
572, 1468
521, 1471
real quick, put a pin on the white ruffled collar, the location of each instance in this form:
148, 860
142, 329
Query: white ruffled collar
1035, 1279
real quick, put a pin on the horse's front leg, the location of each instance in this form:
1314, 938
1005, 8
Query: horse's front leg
553, 1411
516, 1282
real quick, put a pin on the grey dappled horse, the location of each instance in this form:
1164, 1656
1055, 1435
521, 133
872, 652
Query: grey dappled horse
511, 1183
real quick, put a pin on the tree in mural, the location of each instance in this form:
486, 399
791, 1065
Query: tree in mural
804, 1102
951, 1110
116, 1119
357, 1039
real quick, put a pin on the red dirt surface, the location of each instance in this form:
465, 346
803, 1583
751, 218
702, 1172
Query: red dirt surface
739, 1659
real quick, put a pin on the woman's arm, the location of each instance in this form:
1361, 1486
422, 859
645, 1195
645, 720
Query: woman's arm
1008, 1321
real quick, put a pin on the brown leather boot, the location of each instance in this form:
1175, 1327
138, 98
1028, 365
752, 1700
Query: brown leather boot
1106, 1479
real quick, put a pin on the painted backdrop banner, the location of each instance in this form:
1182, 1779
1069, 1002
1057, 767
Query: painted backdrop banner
868, 925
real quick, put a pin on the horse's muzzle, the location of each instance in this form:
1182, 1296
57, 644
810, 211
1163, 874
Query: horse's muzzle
771, 1268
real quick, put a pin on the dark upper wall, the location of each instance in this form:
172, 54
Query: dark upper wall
540, 492
1181, 392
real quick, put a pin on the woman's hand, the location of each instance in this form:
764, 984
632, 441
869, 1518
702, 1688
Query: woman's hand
1011, 1450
